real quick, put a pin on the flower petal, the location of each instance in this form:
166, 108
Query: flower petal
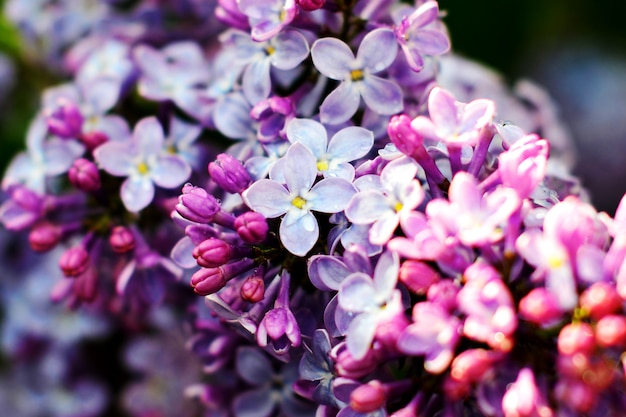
256, 81
267, 197
170, 171
137, 193
331, 195
341, 104
310, 133
378, 50
332, 58
350, 143
382, 96
301, 166
299, 236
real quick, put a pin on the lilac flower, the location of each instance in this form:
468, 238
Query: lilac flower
181, 140
333, 156
110, 60
316, 365
399, 193
143, 161
268, 17
285, 52
334, 59
298, 229
365, 302
523, 399
417, 35
475, 218
434, 333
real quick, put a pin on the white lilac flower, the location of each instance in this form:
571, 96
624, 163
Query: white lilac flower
145, 164
334, 59
299, 229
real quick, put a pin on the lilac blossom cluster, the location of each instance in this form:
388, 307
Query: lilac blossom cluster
375, 226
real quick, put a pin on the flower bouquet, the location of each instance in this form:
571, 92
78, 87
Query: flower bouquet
298, 208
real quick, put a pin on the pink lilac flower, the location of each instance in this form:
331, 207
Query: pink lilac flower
145, 164
298, 229
334, 59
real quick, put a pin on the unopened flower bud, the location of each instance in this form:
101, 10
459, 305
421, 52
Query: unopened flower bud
74, 261
417, 276
368, 397
406, 139
253, 289
472, 365
84, 175
121, 239
197, 205
251, 227
93, 139
576, 338
540, 306
65, 120
227, 11
601, 299
611, 331
311, 5
444, 293
347, 366
44, 236
212, 253
210, 280
576, 394
229, 174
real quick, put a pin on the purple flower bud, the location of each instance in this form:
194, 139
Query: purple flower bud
93, 139
540, 306
227, 11
22, 210
74, 261
210, 280
212, 253
121, 239
253, 289
368, 397
406, 139
65, 120
611, 331
600, 299
197, 205
576, 338
311, 5
576, 394
84, 175
251, 227
229, 174
347, 366
417, 276
471, 365
444, 293
44, 236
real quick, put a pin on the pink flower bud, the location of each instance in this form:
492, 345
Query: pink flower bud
348, 367
576, 338
74, 261
253, 289
601, 299
417, 276
229, 174
197, 205
251, 227
611, 331
84, 175
65, 120
44, 236
208, 280
444, 293
121, 239
540, 306
311, 5
575, 394
93, 139
368, 397
212, 253
406, 139
471, 365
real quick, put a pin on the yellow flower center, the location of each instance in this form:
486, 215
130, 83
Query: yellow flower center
322, 165
270, 50
143, 168
171, 149
398, 206
357, 75
555, 261
298, 202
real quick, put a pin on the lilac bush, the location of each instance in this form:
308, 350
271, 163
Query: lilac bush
299, 208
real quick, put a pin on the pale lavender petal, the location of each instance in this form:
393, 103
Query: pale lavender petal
430, 42
443, 110
113, 126
256, 81
267, 197
232, 116
350, 143
477, 114
381, 95
148, 134
357, 293
253, 366
170, 171
378, 50
327, 272
424, 126
424, 14
310, 133
464, 191
361, 334
331, 195
115, 158
291, 49
341, 104
300, 234
254, 403
59, 155
137, 193
367, 207
382, 230
386, 275
332, 57
182, 253
101, 94
301, 165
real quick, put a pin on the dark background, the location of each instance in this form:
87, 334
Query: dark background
576, 49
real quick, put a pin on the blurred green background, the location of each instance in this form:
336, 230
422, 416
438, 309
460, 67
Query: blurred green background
576, 49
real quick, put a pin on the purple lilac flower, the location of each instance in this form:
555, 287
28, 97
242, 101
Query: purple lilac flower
268, 17
418, 35
298, 229
143, 161
334, 59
